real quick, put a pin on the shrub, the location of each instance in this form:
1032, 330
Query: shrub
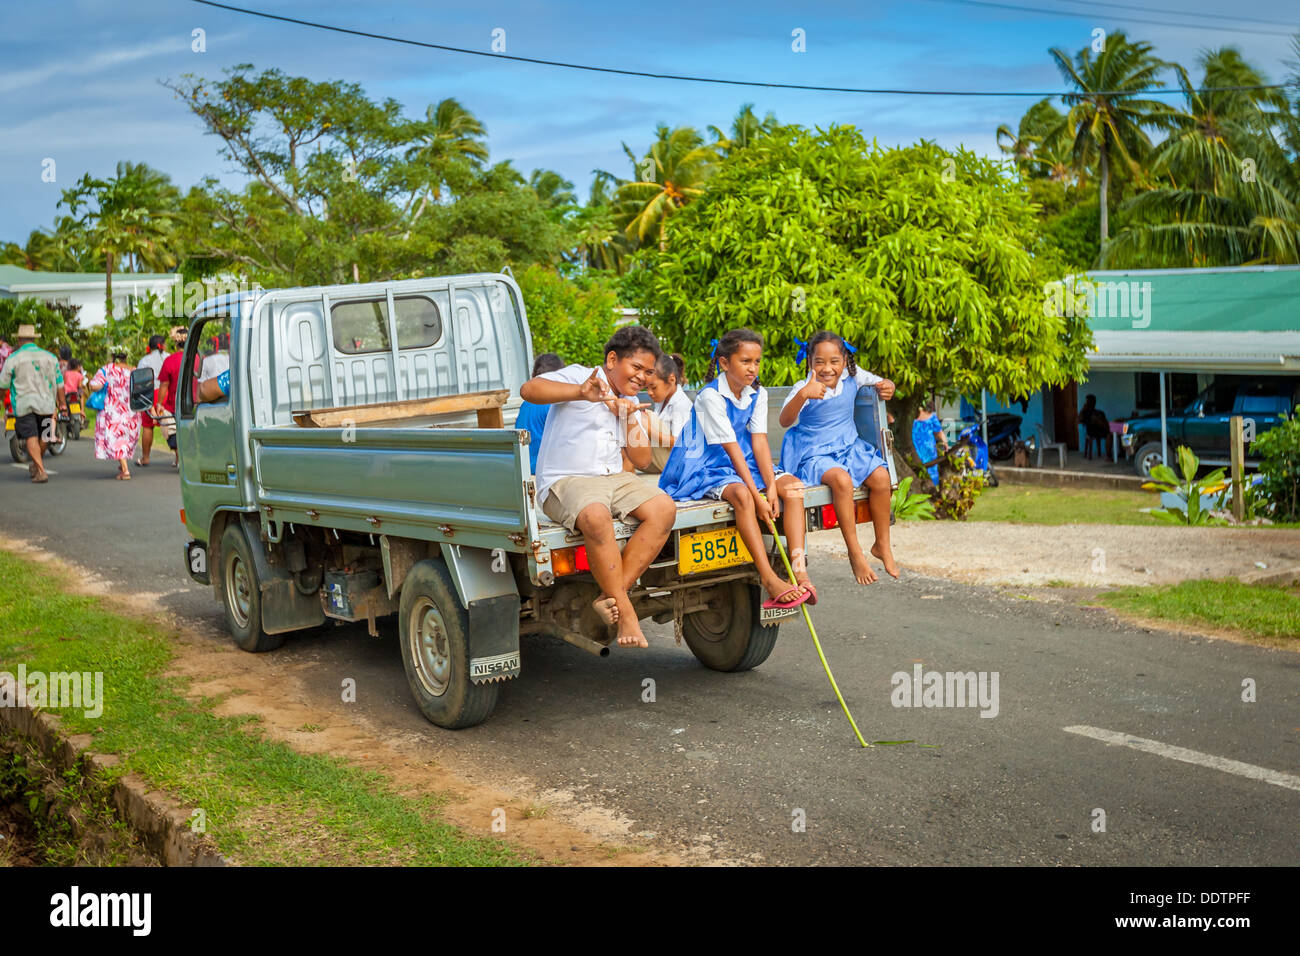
570, 319
1279, 451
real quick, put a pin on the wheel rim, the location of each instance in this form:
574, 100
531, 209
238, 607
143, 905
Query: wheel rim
1150, 461
239, 590
429, 648
714, 625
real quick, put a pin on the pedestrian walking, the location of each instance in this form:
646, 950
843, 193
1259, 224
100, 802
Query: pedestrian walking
116, 426
153, 360
31, 376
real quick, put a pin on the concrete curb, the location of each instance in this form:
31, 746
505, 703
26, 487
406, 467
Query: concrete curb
1287, 576
160, 822
1066, 479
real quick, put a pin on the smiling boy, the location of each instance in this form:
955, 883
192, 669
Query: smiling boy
581, 483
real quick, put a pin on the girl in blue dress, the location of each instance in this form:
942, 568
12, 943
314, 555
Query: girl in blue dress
723, 453
822, 446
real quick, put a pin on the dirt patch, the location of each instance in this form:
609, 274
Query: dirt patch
555, 825
1077, 555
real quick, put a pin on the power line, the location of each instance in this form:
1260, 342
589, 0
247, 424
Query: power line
707, 79
1232, 18
1124, 17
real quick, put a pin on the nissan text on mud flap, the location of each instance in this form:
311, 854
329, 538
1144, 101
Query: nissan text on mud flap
363, 464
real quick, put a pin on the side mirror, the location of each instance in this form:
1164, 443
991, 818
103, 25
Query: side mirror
141, 389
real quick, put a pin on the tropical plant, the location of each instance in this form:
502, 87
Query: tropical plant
924, 260
960, 484
746, 129
1189, 490
671, 174
1107, 120
1279, 464
907, 505
554, 191
447, 141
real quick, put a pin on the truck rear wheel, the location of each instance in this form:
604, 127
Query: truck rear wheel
728, 636
434, 630
241, 594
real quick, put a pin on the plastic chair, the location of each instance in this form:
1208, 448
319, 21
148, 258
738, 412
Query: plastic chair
1044, 444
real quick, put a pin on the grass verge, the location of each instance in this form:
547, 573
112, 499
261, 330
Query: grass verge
1251, 610
1023, 504
262, 802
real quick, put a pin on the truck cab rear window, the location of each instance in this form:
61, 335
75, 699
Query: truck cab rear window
362, 326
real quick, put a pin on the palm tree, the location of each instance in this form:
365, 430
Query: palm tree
1107, 122
552, 189
1229, 190
671, 174
1022, 143
746, 127
449, 136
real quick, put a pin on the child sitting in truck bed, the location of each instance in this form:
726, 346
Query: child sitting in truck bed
581, 483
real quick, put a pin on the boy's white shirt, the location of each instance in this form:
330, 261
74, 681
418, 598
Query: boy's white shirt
677, 411
712, 413
860, 378
581, 438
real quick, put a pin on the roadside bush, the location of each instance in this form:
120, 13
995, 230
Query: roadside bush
1189, 488
1279, 451
960, 483
570, 319
907, 504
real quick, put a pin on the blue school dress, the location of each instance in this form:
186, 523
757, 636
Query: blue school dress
695, 467
826, 437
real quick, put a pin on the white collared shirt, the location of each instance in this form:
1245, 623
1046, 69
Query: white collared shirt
711, 410
676, 411
861, 377
581, 438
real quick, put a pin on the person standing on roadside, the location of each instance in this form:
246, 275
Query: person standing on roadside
35, 385
169, 383
153, 360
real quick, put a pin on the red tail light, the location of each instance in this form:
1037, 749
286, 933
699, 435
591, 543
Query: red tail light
829, 518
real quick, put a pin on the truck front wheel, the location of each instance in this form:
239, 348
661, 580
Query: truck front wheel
241, 593
434, 630
1147, 457
728, 636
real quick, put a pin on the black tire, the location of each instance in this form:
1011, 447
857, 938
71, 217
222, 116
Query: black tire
727, 637
74, 428
434, 638
18, 449
1002, 450
60, 443
1147, 457
992, 477
241, 594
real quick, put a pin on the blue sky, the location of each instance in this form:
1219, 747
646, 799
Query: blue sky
79, 79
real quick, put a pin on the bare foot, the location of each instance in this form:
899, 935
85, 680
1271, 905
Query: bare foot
631, 636
778, 587
862, 568
886, 556
801, 578
607, 609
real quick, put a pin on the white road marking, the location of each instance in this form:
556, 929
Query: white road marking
1275, 777
48, 471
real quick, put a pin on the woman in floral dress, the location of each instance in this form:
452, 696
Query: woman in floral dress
116, 427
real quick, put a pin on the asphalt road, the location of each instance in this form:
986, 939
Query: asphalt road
732, 762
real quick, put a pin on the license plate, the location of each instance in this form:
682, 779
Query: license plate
710, 550
10, 424
75, 408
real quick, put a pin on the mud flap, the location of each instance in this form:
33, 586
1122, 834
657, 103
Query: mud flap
284, 606
494, 638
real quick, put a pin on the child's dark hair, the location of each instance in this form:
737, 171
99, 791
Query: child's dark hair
633, 338
547, 362
672, 364
727, 346
827, 336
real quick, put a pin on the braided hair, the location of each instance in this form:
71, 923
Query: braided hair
727, 346
827, 336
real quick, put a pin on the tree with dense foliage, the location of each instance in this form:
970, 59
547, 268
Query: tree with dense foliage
672, 173
570, 318
928, 262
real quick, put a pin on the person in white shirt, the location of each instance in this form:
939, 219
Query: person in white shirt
672, 408
581, 483
153, 360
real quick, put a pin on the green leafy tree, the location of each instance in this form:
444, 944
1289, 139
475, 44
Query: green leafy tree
746, 129
1279, 451
574, 321
929, 263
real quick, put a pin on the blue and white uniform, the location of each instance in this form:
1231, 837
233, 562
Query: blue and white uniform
825, 435
699, 467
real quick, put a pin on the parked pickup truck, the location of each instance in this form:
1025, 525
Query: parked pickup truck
362, 466
1204, 424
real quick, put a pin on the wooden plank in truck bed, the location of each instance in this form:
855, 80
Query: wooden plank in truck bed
410, 412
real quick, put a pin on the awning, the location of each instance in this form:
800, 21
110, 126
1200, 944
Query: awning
1147, 350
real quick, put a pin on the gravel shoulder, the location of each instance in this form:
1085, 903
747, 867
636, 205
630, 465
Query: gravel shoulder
1081, 555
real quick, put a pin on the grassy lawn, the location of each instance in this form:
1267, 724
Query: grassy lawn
1031, 504
1257, 611
264, 802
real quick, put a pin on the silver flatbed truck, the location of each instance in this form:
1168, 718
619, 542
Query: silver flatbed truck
364, 465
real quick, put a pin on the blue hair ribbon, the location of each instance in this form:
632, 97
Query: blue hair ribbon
803, 350
714, 353
851, 349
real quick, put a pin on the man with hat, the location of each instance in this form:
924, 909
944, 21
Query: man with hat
35, 386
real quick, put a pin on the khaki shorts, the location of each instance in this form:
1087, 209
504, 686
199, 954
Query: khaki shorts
621, 494
658, 458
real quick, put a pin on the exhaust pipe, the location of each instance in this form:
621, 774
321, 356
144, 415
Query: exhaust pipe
586, 643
